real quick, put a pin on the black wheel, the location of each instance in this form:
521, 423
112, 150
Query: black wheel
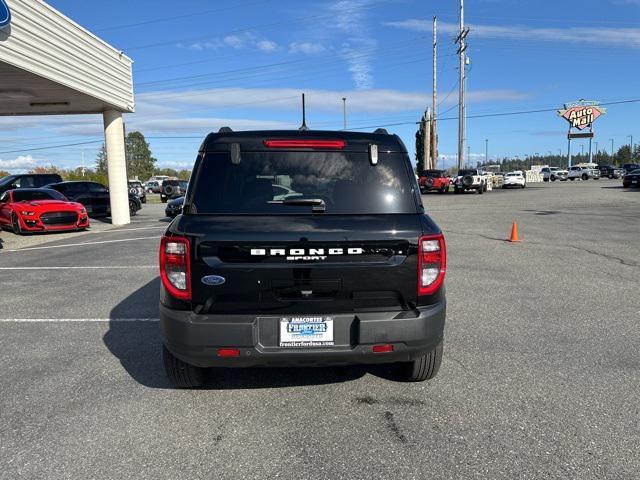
610, 177
481, 190
133, 208
524, 185
572, 178
486, 187
553, 179
422, 368
15, 224
456, 190
585, 177
444, 189
545, 179
163, 199
181, 374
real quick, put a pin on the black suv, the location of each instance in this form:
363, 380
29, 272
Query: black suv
610, 171
346, 270
173, 189
28, 180
94, 197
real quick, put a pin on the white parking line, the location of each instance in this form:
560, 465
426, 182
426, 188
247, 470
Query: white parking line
82, 244
97, 267
115, 230
77, 320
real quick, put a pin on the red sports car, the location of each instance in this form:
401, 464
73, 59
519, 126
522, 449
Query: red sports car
28, 210
434, 180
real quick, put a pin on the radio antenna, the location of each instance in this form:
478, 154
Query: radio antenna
304, 116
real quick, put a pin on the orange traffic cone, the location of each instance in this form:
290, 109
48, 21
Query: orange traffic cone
514, 233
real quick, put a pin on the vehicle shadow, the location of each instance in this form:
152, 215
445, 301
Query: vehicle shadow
136, 342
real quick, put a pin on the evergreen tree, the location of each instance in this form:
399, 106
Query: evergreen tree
101, 161
420, 167
140, 162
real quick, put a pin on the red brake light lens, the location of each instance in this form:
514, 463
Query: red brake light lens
175, 266
385, 348
319, 144
228, 352
432, 263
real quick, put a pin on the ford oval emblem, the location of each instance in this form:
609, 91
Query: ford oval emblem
213, 280
5, 14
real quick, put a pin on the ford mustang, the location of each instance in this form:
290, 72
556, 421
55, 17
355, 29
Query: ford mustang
29, 210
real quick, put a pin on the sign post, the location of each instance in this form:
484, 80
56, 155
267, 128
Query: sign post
581, 115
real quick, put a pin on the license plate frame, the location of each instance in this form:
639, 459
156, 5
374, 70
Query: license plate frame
302, 331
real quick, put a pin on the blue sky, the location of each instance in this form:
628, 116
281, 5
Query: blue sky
200, 65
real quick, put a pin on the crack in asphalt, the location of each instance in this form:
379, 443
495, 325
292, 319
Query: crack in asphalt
622, 261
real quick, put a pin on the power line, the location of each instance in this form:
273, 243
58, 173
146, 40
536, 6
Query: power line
173, 18
487, 115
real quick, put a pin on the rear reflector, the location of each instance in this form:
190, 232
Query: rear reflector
228, 352
320, 144
386, 348
432, 264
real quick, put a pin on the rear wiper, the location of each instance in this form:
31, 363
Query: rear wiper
317, 203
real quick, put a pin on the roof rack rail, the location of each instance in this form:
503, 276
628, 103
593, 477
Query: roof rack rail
381, 131
225, 130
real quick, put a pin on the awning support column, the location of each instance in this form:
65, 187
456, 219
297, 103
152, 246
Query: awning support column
116, 167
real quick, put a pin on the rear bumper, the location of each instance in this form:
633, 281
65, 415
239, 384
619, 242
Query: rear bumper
195, 339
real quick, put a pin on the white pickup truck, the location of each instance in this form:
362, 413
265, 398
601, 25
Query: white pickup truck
583, 173
554, 173
470, 179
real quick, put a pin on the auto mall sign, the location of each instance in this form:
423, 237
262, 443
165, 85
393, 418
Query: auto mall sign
581, 114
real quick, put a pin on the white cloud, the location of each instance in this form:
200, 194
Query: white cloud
350, 18
362, 101
234, 41
205, 125
246, 40
621, 37
307, 48
267, 46
20, 163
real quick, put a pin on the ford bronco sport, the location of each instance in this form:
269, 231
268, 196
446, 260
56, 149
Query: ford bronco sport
345, 269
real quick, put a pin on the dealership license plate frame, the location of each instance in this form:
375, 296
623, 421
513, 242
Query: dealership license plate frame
302, 331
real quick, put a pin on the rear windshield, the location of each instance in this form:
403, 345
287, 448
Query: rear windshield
462, 173
277, 182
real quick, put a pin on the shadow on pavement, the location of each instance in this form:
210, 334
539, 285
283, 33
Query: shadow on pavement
138, 346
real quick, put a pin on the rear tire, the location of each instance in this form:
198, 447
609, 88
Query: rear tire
182, 374
422, 368
553, 179
133, 208
585, 177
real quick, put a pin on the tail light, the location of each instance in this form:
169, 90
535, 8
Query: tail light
432, 263
175, 266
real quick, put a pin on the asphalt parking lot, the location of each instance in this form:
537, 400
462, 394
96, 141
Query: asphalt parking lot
540, 378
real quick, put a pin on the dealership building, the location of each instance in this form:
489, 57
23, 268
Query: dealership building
50, 65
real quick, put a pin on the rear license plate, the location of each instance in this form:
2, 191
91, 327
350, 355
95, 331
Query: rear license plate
634, 181
306, 331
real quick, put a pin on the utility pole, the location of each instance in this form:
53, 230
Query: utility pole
611, 140
344, 112
461, 40
468, 156
426, 145
434, 104
631, 146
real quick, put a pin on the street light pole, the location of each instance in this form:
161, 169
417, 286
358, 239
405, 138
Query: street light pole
486, 151
631, 146
344, 112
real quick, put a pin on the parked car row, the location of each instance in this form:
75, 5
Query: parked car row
43, 202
